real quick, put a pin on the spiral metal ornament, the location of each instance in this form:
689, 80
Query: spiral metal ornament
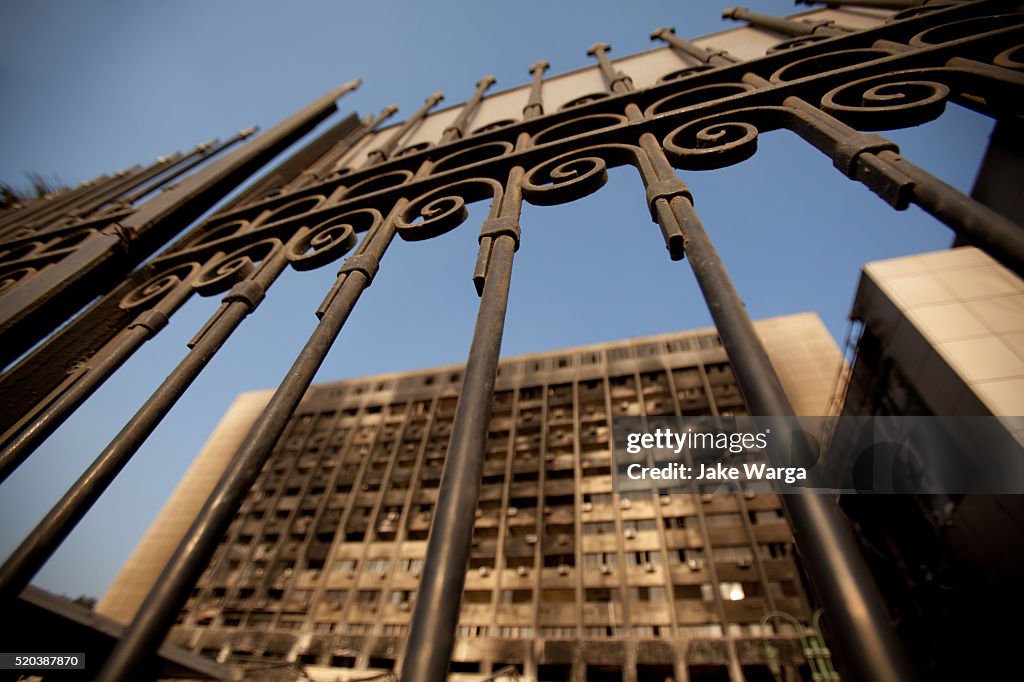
156, 288
221, 275
330, 240
565, 178
886, 102
442, 210
712, 142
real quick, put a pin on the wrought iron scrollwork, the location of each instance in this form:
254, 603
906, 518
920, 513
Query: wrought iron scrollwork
884, 102
567, 177
443, 209
716, 141
220, 275
153, 290
330, 240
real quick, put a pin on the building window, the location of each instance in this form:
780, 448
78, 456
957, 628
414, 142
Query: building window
472, 631
515, 632
368, 599
648, 594
516, 596
730, 591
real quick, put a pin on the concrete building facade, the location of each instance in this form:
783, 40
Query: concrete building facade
943, 336
567, 580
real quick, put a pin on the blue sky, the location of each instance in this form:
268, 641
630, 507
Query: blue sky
93, 86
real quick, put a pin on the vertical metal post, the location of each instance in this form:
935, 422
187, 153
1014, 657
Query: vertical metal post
46, 537
134, 652
787, 27
880, 4
436, 616
871, 648
688, 47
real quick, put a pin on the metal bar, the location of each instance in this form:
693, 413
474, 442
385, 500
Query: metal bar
704, 54
156, 615
19, 217
458, 127
206, 153
436, 616
162, 165
330, 160
617, 82
880, 4
29, 436
535, 104
47, 536
871, 648
27, 387
79, 206
33, 309
385, 151
900, 182
998, 236
291, 169
111, 192
787, 27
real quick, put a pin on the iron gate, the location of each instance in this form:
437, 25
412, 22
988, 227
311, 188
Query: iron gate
352, 190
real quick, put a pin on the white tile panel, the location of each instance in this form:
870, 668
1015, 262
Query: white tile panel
431, 128
982, 359
1000, 314
502, 106
947, 322
561, 90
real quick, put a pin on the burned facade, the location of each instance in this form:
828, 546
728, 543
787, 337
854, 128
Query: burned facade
567, 579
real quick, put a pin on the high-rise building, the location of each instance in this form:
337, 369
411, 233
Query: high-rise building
943, 335
567, 579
